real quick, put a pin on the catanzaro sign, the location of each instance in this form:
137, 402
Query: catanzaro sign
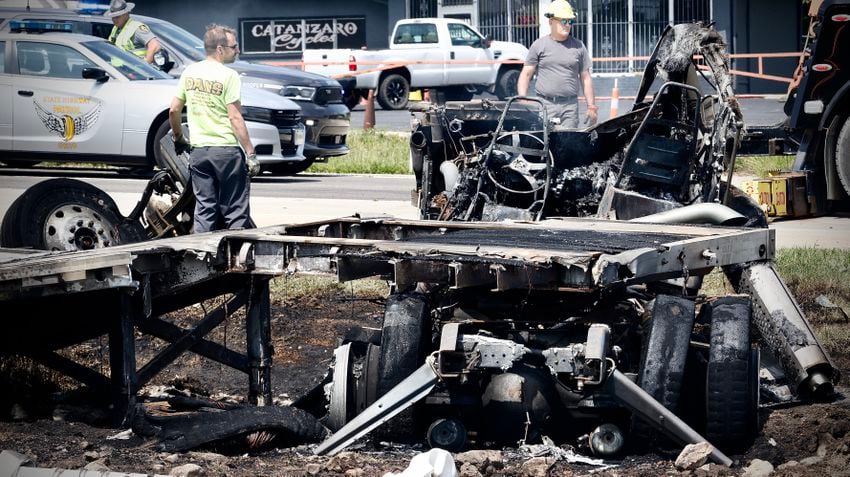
293, 35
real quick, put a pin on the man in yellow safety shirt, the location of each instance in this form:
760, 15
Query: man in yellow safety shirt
131, 35
211, 93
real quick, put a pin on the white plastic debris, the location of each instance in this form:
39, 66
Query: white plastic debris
559, 453
434, 463
121, 436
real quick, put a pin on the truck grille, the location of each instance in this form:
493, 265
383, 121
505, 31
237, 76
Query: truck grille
288, 149
286, 118
329, 94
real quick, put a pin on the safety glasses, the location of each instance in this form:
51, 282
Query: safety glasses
564, 21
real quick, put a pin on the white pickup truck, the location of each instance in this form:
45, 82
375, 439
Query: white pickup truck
424, 53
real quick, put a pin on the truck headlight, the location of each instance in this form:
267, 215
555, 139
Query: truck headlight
257, 115
299, 93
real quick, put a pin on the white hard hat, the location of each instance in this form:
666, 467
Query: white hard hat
560, 9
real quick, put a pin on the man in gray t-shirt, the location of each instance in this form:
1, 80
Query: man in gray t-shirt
562, 65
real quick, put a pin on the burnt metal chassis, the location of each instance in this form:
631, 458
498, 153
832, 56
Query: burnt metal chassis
131, 286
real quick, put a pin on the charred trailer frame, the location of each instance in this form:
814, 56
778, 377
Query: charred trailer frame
77, 296
537, 342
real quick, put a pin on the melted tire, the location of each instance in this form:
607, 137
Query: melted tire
663, 359
731, 397
402, 351
740, 202
26, 223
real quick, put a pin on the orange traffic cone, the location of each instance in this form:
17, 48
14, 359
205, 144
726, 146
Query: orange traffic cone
615, 101
369, 115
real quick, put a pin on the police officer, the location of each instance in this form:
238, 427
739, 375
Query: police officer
211, 92
562, 65
129, 34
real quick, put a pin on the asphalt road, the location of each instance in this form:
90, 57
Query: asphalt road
312, 197
274, 200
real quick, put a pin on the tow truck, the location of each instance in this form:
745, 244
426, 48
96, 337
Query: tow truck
817, 128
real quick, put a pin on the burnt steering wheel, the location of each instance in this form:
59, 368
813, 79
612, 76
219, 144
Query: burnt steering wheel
523, 154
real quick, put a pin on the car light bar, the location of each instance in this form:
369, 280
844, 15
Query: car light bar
34, 26
92, 7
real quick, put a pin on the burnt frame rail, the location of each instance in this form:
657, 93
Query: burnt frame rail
135, 284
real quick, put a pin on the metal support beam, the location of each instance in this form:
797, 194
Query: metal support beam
258, 330
642, 404
208, 349
73, 370
122, 360
784, 327
405, 394
190, 338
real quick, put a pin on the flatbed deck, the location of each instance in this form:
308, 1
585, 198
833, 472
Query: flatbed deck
54, 300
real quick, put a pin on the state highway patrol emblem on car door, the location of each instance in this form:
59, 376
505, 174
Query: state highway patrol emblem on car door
65, 125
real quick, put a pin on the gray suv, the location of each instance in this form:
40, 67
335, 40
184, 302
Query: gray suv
325, 116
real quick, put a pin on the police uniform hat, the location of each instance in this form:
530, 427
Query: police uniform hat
118, 8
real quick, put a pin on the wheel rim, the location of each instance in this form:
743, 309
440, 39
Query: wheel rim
72, 227
396, 92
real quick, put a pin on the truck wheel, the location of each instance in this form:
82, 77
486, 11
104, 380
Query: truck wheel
393, 92
842, 155
290, 169
506, 84
351, 98
66, 215
161, 131
403, 350
731, 396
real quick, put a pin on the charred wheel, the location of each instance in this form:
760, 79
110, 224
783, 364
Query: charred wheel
732, 379
403, 349
66, 214
663, 358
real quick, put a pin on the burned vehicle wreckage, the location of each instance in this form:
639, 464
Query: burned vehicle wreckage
489, 161
560, 323
574, 361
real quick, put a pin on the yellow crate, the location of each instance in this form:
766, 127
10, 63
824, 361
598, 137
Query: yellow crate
782, 194
779, 197
760, 191
790, 195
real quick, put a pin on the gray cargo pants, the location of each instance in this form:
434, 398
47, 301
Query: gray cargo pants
222, 188
567, 112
